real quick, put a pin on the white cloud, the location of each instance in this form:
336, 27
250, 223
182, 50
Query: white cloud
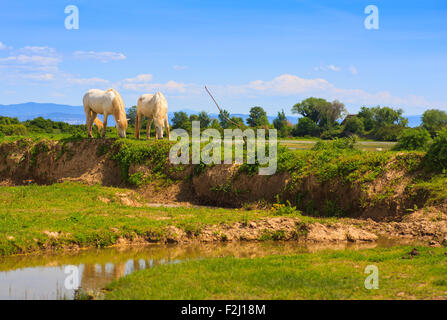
330, 67
38, 50
141, 78
170, 86
4, 46
143, 83
105, 56
353, 70
39, 77
333, 68
88, 81
285, 85
292, 85
179, 68
30, 60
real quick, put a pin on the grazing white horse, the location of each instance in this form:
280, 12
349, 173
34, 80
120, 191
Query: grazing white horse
105, 102
155, 108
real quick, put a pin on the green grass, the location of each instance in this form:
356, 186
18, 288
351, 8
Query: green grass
320, 275
74, 211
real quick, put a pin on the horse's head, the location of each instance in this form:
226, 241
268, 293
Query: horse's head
159, 125
119, 112
121, 126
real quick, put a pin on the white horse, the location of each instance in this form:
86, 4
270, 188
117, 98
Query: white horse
105, 102
155, 108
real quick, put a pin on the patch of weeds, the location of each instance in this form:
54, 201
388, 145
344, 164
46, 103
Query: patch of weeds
225, 188
37, 149
102, 150
331, 209
272, 235
281, 209
154, 153
301, 230
249, 169
191, 229
199, 168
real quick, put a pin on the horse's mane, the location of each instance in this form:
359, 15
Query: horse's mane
119, 109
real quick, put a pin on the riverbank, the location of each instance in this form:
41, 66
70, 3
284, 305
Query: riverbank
70, 216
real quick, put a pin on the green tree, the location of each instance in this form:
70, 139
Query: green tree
434, 120
224, 123
131, 115
258, 117
354, 125
282, 124
366, 115
204, 119
237, 120
436, 156
8, 120
384, 123
215, 124
181, 121
306, 127
413, 139
320, 111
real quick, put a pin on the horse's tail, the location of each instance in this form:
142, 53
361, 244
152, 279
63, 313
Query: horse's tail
98, 123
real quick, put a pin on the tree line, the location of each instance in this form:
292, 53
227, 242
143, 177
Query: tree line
318, 118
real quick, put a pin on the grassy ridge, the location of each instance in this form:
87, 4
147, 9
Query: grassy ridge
321, 275
30, 215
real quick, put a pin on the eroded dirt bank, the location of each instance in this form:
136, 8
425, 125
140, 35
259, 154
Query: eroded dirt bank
93, 161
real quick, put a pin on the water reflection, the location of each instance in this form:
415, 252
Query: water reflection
43, 277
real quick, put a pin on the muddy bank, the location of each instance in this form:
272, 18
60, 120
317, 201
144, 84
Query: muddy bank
385, 197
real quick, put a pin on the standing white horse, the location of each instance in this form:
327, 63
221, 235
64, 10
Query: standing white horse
105, 102
155, 108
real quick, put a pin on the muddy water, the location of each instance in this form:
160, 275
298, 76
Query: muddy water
44, 277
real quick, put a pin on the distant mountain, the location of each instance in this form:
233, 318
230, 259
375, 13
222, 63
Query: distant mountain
75, 114
55, 112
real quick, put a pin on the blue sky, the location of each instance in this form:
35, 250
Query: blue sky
267, 53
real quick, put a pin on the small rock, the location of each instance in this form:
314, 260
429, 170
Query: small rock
414, 252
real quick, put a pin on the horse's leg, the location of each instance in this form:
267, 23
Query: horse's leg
93, 115
88, 114
105, 125
167, 127
137, 125
148, 128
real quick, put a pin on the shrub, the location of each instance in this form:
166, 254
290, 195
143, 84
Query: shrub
337, 144
388, 132
354, 125
305, 126
436, 157
413, 139
13, 129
